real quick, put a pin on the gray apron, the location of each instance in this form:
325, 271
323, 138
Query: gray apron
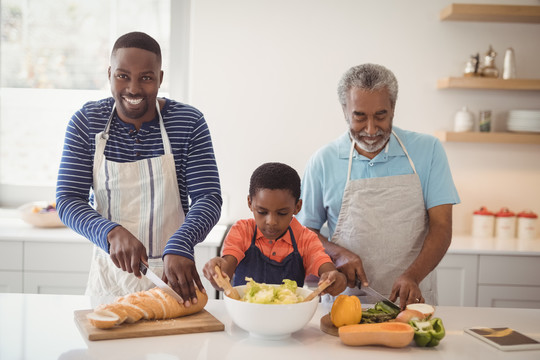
144, 198
384, 221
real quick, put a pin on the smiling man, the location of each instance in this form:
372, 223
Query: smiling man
138, 178
386, 194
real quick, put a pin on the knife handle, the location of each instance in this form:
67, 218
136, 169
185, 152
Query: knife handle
143, 268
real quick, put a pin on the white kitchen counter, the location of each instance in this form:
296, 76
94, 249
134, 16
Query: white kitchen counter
13, 228
43, 327
493, 246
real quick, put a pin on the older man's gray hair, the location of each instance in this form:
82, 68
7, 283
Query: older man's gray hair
371, 77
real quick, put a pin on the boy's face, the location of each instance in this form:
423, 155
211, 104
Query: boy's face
273, 211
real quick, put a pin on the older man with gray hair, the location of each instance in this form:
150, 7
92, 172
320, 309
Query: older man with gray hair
386, 194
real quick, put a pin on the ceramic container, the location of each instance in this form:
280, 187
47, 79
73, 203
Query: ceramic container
464, 120
505, 224
527, 222
483, 223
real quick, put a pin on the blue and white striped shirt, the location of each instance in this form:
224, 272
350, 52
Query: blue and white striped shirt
196, 169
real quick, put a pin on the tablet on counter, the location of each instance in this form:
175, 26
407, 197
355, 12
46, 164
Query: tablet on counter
504, 338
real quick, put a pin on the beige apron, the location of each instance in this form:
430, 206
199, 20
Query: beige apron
385, 222
144, 198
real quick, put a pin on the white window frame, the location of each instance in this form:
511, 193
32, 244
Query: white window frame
12, 195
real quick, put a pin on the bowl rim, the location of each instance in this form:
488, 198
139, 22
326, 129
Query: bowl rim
241, 288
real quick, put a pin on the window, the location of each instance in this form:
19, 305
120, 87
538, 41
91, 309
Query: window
54, 58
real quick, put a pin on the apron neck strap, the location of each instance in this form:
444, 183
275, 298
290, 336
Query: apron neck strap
166, 143
387, 145
405, 151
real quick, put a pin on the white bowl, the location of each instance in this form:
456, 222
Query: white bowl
49, 219
271, 321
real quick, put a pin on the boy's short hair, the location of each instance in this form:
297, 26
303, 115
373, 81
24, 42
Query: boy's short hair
138, 40
274, 176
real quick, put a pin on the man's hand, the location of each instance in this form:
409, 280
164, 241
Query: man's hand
349, 264
346, 261
407, 290
182, 276
126, 250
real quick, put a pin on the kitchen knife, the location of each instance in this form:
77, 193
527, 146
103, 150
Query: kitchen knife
377, 296
159, 283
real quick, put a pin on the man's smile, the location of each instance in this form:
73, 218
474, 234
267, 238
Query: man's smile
133, 101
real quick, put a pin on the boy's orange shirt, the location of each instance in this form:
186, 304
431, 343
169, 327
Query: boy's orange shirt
238, 240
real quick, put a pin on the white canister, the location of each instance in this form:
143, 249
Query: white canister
483, 223
464, 120
527, 225
505, 224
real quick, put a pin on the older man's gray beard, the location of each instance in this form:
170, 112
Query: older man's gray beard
371, 148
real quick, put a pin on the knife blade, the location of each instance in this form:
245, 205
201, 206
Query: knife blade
159, 283
376, 295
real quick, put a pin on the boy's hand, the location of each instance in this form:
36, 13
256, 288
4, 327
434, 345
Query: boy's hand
209, 270
339, 282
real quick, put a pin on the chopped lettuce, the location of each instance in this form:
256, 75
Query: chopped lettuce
262, 293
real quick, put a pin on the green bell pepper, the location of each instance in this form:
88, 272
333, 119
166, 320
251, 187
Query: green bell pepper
427, 333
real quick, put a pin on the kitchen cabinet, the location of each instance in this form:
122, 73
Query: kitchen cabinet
490, 273
509, 281
11, 281
57, 261
54, 283
56, 268
11, 266
456, 280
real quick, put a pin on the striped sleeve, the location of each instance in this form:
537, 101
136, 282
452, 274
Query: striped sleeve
75, 180
203, 186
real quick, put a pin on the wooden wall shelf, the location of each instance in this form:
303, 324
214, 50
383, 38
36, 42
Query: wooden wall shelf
491, 13
488, 83
489, 137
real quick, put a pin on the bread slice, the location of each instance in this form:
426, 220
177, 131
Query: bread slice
102, 321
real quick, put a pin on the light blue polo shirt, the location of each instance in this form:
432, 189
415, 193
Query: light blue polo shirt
325, 175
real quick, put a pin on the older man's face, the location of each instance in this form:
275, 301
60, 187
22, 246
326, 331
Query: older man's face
369, 114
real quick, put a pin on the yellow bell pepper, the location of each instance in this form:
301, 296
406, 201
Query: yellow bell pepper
346, 310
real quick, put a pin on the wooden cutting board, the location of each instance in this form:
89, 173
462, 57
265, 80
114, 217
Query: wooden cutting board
202, 321
327, 326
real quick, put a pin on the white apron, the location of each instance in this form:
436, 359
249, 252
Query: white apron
143, 197
385, 222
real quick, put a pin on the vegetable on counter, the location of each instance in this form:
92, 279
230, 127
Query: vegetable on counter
391, 334
408, 314
428, 333
346, 310
426, 309
379, 313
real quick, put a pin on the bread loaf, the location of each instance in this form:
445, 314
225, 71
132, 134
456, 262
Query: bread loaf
154, 304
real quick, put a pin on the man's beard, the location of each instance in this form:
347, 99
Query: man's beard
372, 143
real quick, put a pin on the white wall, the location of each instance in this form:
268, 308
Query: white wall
264, 72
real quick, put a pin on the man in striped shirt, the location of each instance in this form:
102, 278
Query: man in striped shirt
138, 177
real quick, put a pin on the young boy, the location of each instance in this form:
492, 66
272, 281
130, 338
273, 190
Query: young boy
274, 246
